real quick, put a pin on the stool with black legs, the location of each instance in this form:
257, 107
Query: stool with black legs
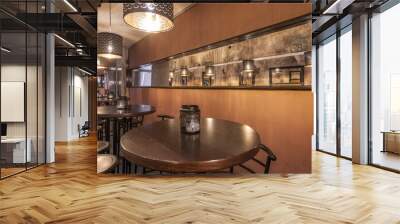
101, 129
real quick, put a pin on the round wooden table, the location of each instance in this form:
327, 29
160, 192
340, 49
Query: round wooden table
131, 111
112, 114
162, 146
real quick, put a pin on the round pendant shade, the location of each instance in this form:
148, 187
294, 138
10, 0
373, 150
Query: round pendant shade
149, 17
109, 45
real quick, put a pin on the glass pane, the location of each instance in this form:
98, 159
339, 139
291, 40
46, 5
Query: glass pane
41, 99
386, 89
327, 96
346, 93
13, 86
31, 98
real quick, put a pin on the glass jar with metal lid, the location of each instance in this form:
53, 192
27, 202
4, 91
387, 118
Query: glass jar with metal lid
190, 119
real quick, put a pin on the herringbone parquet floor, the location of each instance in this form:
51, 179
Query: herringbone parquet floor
71, 192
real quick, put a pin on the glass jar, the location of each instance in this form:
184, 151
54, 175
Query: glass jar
190, 119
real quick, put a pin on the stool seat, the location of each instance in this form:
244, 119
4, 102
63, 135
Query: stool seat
102, 146
106, 162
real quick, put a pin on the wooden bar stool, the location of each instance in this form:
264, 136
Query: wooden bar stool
103, 147
106, 163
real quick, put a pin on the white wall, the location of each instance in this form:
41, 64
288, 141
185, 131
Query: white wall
70, 83
34, 125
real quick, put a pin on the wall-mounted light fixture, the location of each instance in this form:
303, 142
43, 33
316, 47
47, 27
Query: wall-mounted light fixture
184, 72
248, 73
210, 71
184, 76
149, 17
171, 78
248, 66
208, 75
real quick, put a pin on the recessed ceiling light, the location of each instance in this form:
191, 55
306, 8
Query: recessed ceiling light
5, 50
84, 71
70, 5
65, 41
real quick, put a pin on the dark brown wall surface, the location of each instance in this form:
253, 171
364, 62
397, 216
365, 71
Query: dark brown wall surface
284, 119
92, 99
204, 24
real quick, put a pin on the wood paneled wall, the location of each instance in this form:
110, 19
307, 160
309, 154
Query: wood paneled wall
204, 24
284, 119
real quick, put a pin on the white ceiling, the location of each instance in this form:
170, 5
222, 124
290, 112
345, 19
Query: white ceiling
118, 25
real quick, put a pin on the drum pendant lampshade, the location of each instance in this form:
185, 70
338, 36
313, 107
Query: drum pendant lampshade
149, 17
109, 45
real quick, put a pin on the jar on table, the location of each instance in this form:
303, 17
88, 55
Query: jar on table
190, 119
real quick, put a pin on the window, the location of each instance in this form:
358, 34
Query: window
335, 74
346, 92
22, 77
385, 89
327, 96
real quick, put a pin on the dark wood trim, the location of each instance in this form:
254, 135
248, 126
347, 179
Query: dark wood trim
385, 168
333, 154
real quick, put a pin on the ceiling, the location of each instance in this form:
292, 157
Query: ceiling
118, 25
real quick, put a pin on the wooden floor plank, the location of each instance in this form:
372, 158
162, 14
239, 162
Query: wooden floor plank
70, 191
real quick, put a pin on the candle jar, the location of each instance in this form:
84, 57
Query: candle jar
190, 119
122, 103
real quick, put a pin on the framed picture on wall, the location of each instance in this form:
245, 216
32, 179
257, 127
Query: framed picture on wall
293, 75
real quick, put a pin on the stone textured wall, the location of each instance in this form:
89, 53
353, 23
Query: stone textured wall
286, 47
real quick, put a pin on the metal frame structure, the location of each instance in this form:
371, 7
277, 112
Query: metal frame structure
389, 4
339, 28
338, 153
44, 75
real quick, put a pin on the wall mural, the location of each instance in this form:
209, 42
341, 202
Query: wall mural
280, 58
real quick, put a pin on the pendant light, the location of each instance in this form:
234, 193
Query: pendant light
149, 17
103, 63
184, 72
109, 45
209, 70
248, 66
